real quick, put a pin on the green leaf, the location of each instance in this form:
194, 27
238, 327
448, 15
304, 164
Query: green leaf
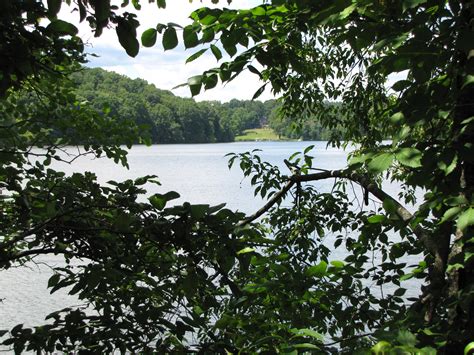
401, 85
450, 214
196, 55
466, 219
190, 37
211, 81
305, 332
259, 11
409, 4
305, 346
469, 349
447, 162
397, 118
63, 28
381, 162
159, 201
53, 7
308, 148
381, 348
317, 270
400, 292
127, 36
337, 264
216, 51
170, 39
230, 49
410, 157
406, 338
53, 280
199, 211
149, 37
259, 92
161, 4
378, 218
246, 250
195, 83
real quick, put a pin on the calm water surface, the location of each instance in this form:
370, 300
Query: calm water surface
198, 172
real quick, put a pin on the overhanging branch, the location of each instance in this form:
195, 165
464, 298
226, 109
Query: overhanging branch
401, 211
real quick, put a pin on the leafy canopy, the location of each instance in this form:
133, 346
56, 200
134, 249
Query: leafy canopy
159, 277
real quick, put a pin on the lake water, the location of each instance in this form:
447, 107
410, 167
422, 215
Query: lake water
198, 172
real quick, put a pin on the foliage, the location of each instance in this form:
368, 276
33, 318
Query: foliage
200, 278
305, 126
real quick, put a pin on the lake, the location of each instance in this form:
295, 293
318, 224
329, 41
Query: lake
198, 172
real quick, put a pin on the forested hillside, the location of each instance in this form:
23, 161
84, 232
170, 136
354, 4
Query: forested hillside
169, 118
173, 119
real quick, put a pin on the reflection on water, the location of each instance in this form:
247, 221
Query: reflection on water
198, 172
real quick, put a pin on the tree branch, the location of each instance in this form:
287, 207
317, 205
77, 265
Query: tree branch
360, 179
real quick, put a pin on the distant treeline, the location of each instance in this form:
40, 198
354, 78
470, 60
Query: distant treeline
173, 119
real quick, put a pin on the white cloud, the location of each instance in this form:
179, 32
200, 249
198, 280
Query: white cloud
165, 69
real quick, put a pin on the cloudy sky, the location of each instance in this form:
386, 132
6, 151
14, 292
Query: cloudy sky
165, 69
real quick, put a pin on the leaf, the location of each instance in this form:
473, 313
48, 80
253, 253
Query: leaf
199, 211
196, 55
381, 162
127, 36
211, 81
216, 51
190, 37
410, 157
159, 201
161, 4
406, 276
406, 338
401, 85
317, 270
195, 83
450, 214
466, 219
305, 332
259, 11
400, 292
337, 264
469, 349
259, 92
231, 49
381, 348
53, 280
245, 250
149, 37
397, 118
378, 218
170, 39
409, 4
63, 28
308, 148
305, 346
447, 162
53, 7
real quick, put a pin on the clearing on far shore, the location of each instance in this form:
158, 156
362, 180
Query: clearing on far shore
259, 134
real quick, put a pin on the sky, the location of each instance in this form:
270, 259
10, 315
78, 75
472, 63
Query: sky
165, 69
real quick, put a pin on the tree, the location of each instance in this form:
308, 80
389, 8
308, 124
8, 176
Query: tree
196, 277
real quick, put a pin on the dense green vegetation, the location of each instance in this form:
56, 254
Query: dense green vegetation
172, 119
306, 126
168, 118
153, 277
